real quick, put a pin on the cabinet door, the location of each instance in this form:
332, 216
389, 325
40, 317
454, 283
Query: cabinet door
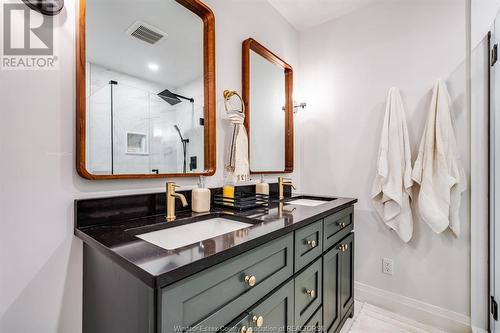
347, 275
275, 313
331, 289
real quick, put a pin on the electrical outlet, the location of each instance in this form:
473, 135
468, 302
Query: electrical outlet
387, 266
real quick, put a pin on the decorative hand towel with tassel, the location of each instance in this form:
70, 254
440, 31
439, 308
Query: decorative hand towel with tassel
437, 168
237, 157
392, 187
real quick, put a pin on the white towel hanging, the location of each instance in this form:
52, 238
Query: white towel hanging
237, 159
391, 192
437, 168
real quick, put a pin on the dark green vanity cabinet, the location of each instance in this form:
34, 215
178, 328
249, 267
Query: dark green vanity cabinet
302, 281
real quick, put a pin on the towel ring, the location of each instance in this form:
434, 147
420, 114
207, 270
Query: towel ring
227, 97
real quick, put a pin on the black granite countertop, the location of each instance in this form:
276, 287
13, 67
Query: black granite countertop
114, 234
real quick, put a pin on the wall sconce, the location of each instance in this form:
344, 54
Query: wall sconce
299, 106
302, 106
46, 7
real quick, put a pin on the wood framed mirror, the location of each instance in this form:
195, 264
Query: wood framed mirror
267, 94
145, 77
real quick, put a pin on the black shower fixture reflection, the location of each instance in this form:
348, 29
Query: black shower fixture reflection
184, 143
172, 98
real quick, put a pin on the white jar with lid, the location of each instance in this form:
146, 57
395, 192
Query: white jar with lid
200, 198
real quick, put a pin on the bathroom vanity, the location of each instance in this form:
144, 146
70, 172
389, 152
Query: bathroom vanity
286, 267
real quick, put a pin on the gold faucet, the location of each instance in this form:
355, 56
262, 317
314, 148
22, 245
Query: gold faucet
282, 182
171, 195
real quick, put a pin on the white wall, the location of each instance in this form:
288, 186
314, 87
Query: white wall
347, 67
41, 261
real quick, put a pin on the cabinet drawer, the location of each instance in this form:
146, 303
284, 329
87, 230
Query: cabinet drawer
274, 314
308, 244
240, 326
315, 323
308, 292
333, 224
219, 294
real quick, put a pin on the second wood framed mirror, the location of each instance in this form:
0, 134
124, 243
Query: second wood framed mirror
145, 89
267, 94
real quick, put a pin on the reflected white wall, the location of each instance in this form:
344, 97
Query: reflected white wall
267, 117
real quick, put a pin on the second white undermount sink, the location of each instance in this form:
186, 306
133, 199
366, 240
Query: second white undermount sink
187, 234
306, 202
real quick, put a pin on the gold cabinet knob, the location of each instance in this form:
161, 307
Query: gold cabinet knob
312, 243
245, 329
343, 247
258, 320
250, 280
311, 293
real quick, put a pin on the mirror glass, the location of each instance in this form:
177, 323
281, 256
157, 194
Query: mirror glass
267, 91
267, 120
145, 104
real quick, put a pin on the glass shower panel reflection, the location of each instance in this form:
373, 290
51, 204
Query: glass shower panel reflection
163, 140
99, 158
131, 117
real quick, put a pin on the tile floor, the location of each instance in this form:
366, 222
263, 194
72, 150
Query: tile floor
372, 319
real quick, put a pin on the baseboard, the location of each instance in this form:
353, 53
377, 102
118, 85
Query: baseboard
478, 330
425, 313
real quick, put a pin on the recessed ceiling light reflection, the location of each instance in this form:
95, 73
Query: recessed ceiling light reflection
153, 67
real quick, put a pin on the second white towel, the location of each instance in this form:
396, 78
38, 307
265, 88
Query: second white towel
437, 168
392, 187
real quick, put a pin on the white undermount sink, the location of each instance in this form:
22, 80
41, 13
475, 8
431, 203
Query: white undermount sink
187, 234
306, 202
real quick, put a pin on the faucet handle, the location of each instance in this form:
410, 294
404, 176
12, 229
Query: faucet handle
171, 186
287, 182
